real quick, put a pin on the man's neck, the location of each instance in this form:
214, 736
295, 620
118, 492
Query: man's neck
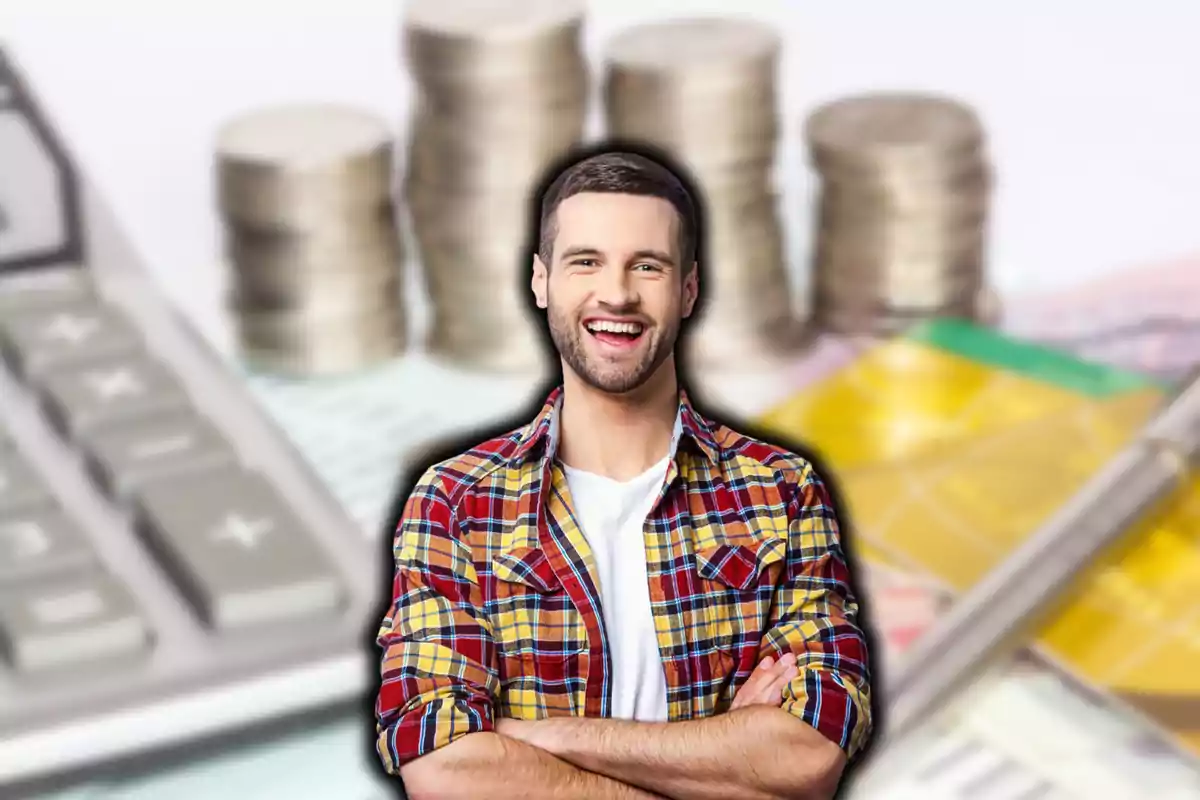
618, 436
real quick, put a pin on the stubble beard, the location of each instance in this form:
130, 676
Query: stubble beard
567, 335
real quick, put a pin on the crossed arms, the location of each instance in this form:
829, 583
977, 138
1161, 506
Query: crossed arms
437, 726
754, 751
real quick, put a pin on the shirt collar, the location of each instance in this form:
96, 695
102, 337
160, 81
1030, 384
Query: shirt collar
541, 435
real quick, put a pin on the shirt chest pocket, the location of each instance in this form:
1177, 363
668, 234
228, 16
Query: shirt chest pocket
539, 635
737, 582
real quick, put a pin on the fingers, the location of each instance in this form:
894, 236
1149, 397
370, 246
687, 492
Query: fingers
769, 666
781, 682
785, 671
766, 684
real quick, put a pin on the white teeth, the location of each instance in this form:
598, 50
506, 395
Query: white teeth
632, 328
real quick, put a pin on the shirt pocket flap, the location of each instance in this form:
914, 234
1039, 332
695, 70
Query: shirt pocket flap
528, 566
738, 565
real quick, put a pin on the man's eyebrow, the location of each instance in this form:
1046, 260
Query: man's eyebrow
656, 255
580, 250
592, 252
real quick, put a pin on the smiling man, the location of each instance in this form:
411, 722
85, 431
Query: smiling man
621, 599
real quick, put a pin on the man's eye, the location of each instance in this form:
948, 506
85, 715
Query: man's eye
584, 262
646, 266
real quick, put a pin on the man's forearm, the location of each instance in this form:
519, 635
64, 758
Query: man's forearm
495, 766
754, 753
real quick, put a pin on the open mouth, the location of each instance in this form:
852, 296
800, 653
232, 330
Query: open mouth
614, 333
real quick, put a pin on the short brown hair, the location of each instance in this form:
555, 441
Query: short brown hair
619, 172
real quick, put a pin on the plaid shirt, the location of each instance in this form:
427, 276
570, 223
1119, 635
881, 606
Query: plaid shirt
496, 610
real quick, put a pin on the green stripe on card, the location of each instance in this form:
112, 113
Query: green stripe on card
1037, 362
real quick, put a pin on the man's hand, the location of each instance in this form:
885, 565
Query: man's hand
764, 687
766, 684
672, 760
523, 730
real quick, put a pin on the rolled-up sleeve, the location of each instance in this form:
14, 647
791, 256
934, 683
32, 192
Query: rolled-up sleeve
438, 660
816, 619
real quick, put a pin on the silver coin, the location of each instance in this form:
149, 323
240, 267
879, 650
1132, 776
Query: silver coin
704, 90
296, 166
453, 215
872, 247
517, 350
770, 347
292, 330
706, 146
461, 47
311, 236
448, 157
902, 212
331, 357
502, 94
708, 44
511, 21
496, 308
348, 291
278, 257
884, 322
893, 125
541, 78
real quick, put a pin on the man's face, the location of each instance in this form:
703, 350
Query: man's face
615, 292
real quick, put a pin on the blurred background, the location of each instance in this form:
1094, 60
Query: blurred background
950, 247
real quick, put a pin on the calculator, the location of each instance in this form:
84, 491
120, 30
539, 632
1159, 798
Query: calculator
171, 569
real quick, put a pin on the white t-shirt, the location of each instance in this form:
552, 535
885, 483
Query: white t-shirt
611, 515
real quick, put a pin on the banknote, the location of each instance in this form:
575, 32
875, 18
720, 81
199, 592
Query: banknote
1145, 318
1024, 731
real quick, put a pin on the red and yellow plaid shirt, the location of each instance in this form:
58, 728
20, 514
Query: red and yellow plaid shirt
496, 609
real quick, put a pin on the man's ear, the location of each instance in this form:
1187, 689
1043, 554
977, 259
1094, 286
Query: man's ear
541, 275
691, 290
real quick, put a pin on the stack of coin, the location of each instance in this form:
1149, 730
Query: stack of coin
901, 223
501, 95
704, 91
310, 232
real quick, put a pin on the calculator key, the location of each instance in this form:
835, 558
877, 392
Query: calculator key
42, 289
85, 398
20, 487
128, 455
37, 341
240, 554
40, 542
77, 619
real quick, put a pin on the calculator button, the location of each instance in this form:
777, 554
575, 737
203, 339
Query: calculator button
240, 554
38, 543
126, 456
74, 620
20, 487
86, 398
38, 341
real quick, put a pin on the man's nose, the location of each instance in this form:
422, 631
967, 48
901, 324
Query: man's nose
616, 287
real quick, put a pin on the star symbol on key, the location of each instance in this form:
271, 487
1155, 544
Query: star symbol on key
246, 532
163, 447
73, 607
71, 328
115, 383
26, 540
